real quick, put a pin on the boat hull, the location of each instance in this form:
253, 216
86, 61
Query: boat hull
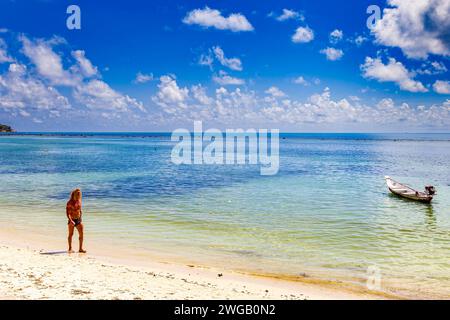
411, 197
407, 192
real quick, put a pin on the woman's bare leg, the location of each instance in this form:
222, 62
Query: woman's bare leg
80, 229
69, 238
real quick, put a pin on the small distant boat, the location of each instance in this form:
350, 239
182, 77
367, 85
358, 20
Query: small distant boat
408, 192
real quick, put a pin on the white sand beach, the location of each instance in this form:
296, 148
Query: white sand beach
26, 273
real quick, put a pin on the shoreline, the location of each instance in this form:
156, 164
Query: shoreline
26, 273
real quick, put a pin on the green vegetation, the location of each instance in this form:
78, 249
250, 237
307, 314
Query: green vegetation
5, 128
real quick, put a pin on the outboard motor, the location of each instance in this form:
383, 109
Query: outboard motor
430, 190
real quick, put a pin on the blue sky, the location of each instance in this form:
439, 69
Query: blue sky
293, 65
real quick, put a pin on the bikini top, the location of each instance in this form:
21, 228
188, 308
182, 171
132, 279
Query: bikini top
74, 205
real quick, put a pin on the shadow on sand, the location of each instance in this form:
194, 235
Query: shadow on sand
53, 252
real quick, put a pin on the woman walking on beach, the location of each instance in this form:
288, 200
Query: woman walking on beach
73, 212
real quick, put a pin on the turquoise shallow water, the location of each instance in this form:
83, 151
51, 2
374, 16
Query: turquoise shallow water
327, 213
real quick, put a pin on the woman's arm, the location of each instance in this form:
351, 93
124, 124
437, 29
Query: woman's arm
68, 215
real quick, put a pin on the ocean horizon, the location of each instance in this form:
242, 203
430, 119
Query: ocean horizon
287, 134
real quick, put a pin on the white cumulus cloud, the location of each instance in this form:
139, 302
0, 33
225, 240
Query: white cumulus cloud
199, 94
301, 80
35, 90
275, 92
418, 28
98, 95
359, 40
206, 60
442, 87
320, 109
432, 68
4, 57
48, 63
303, 35
213, 18
170, 96
332, 54
394, 71
232, 63
143, 78
224, 79
20, 91
84, 64
289, 14
336, 36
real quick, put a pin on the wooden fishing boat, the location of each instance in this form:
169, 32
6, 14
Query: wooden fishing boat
408, 192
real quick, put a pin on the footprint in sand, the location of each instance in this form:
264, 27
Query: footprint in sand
80, 292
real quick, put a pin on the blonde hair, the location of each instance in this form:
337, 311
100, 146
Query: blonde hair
75, 194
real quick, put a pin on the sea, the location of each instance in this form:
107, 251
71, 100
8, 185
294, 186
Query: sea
327, 214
